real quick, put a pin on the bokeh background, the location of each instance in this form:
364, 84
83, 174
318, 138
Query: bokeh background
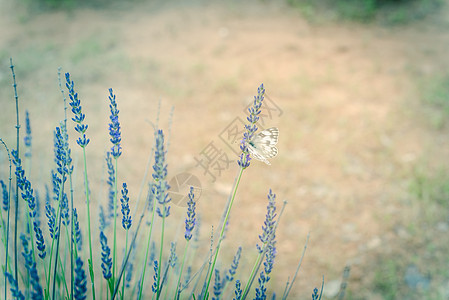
363, 92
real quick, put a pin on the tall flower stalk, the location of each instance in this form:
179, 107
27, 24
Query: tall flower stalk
126, 223
114, 132
82, 141
190, 225
267, 248
7, 206
244, 163
159, 193
16, 215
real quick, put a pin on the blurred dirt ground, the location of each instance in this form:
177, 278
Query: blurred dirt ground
352, 126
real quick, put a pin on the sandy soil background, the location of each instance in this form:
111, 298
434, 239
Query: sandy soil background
354, 132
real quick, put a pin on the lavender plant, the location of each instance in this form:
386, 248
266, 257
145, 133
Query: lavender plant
172, 276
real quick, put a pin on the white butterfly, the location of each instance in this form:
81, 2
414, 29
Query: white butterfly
263, 145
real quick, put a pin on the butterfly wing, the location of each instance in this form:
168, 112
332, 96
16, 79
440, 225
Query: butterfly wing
263, 145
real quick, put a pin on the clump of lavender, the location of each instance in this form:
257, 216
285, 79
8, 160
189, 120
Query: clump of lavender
251, 128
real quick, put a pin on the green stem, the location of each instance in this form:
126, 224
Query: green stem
9, 209
148, 249
222, 232
124, 272
91, 262
159, 283
114, 253
16, 97
182, 268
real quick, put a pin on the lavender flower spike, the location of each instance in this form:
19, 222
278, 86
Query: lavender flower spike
251, 128
30, 264
80, 280
75, 103
106, 259
235, 264
77, 237
114, 127
190, 220
24, 184
161, 186
269, 223
27, 138
5, 197
126, 221
16, 293
155, 277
